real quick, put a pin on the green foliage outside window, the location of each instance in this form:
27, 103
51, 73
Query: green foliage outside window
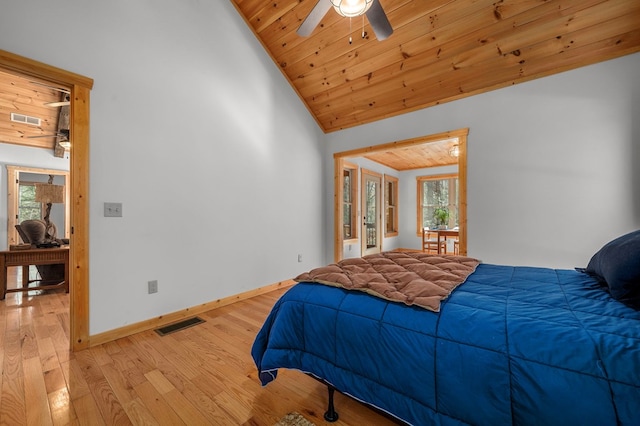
439, 202
28, 207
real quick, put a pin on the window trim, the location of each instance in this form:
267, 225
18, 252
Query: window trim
419, 195
394, 181
354, 201
13, 182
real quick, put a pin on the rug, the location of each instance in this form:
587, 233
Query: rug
294, 419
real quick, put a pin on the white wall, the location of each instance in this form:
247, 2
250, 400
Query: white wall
552, 172
194, 129
15, 155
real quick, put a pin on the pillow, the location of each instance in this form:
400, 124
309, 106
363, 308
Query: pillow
617, 264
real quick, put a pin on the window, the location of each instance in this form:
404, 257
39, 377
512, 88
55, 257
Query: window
390, 206
350, 196
437, 201
28, 207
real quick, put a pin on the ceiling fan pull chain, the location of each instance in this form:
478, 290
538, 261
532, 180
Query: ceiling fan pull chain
350, 39
363, 26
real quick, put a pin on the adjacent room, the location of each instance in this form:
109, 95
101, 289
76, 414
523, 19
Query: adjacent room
170, 170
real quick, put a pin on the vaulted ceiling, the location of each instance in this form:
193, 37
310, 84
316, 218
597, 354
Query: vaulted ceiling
440, 50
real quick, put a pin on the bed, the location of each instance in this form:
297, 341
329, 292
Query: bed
507, 345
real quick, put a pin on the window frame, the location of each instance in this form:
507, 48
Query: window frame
394, 182
353, 169
419, 196
40, 207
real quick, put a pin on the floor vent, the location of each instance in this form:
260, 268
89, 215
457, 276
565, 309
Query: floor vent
178, 326
26, 119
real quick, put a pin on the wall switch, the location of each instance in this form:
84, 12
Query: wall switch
153, 286
112, 209
299, 258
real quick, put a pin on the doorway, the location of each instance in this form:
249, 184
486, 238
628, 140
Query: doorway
79, 88
371, 213
16, 177
409, 149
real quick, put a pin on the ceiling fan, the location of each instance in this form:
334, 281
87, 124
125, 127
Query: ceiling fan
349, 9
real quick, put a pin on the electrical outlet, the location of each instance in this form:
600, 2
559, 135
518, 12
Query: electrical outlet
112, 209
153, 286
299, 258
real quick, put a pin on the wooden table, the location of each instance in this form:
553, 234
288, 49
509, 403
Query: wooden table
37, 256
445, 233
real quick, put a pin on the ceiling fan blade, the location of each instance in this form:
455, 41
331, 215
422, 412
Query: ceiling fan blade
313, 19
57, 104
44, 136
63, 133
378, 20
48, 86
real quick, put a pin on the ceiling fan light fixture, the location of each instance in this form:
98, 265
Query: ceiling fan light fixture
351, 8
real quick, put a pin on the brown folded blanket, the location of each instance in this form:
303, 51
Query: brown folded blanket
413, 278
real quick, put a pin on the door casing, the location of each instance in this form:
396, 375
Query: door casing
338, 163
80, 89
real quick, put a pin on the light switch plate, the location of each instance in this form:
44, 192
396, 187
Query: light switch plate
112, 209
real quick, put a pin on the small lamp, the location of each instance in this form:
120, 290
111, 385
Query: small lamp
48, 194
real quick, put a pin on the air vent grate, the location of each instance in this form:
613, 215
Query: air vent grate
26, 119
179, 326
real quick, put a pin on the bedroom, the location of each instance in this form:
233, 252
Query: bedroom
564, 143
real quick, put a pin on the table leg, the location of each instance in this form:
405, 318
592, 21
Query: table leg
66, 273
3, 276
25, 276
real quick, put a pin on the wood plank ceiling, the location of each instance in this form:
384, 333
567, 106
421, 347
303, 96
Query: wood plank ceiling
29, 97
441, 50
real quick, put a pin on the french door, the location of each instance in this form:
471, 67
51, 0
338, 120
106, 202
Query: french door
371, 236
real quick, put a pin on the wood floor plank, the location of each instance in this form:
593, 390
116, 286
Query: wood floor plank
139, 414
161, 412
12, 410
110, 407
48, 354
35, 391
62, 411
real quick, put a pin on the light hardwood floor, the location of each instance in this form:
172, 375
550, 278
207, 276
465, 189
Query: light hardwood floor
203, 375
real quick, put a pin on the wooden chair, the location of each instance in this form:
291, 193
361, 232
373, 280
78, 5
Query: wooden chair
456, 247
430, 242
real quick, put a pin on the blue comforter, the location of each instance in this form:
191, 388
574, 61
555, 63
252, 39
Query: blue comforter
512, 345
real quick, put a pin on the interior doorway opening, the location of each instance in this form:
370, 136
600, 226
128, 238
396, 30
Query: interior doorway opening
416, 146
79, 95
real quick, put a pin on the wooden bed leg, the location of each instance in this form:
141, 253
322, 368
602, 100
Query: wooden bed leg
331, 415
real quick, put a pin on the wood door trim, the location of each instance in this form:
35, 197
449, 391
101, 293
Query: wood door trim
80, 88
339, 157
363, 235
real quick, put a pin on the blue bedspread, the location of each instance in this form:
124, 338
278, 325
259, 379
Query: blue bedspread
512, 345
